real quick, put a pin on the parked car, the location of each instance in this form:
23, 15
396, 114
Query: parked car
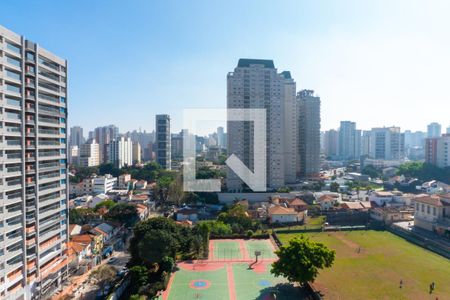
112, 260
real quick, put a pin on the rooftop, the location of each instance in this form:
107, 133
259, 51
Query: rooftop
246, 62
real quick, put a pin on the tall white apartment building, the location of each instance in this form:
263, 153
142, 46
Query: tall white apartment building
309, 133
255, 83
33, 168
74, 155
433, 130
89, 154
387, 143
136, 153
221, 138
163, 141
366, 142
121, 152
331, 143
76, 137
437, 151
349, 141
290, 129
104, 136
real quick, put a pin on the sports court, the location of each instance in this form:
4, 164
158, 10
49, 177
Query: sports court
230, 273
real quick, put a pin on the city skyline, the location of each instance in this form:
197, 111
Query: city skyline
371, 62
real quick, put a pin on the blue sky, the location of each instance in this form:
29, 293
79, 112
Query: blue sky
374, 62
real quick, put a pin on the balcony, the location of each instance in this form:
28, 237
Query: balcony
12, 144
49, 120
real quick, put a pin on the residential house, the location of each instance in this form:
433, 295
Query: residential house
327, 202
281, 214
123, 181
141, 184
97, 199
187, 213
105, 230
389, 215
74, 229
143, 211
298, 205
432, 213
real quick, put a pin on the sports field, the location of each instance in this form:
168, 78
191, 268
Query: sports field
227, 274
371, 264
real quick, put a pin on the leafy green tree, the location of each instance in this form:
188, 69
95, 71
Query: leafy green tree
103, 275
167, 264
156, 245
334, 187
123, 213
216, 227
109, 169
82, 216
108, 204
371, 171
301, 260
284, 189
75, 217
139, 277
237, 217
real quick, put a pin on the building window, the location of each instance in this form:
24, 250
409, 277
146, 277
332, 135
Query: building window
434, 211
13, 61
423, 207
13, 48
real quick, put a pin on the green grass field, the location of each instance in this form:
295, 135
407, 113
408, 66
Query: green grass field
225, 250
375, 272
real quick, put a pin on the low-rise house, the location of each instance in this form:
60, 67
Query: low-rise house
143, 211
386, 198
327, 202
82, 201
353, 205
389, 215
95, 241
281, 214
107, 231
103, 184
139, 199
74, 229
97, 199
432, 212
85, 187
123, 181
298, 205
141, 184
434, 187
187, 214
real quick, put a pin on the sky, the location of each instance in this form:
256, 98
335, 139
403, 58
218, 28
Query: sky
378, 63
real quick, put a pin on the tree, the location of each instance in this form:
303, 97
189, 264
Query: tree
371, 171
123, 213
103, 275
139, 277
75, 217
215, 227
109, 169
301, 260
334, 187
108, 204
156, 245
237, 217
82, 216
